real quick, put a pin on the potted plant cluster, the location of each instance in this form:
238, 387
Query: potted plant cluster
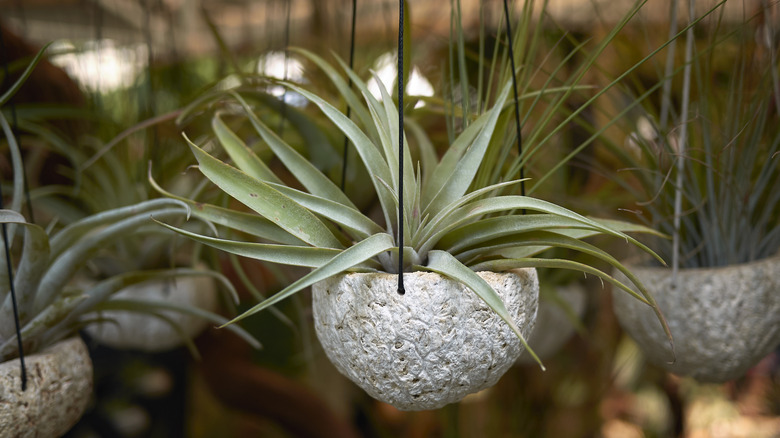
466, 308
51, 307
711, 182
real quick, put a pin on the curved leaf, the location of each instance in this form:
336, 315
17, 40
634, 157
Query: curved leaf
372, 159
266, 201
303, 170
249, 223
458, 181
246, 160
285, 254
345, 260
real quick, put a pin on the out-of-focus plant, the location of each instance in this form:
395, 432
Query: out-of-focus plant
717, 169
51, 305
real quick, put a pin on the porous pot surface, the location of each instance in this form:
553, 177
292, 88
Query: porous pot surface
128, 330
427, 348
59, 386
723, 320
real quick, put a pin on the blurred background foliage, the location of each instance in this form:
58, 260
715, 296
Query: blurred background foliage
125, 77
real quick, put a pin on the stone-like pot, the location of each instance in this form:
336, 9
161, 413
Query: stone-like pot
59, 386
723, 320
554, 325
127, 330
427, 348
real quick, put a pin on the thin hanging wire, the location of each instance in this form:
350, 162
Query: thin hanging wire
6, 244
666, 91
683, 143
349, 84
286, 62
149, 106
517, 104
97, 16
400, 80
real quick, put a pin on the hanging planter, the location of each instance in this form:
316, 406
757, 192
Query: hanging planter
724, 320
138, 331
401, 339
427, 348
554, 325
59, 386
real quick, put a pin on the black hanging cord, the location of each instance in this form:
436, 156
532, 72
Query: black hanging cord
286, 60
349, 84
6, 245
514, 89
98, 17
400, 79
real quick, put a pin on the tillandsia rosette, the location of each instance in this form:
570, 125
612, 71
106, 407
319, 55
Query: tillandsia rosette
49, 303
451, 226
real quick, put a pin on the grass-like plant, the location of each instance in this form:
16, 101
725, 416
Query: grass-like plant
720, 159
451, 225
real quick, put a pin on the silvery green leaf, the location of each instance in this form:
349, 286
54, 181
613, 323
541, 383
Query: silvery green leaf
458, 181
505, 264
249, 223
345, 91
266, 201
308, 256
68, 236
368, 152
240, 153
345, 260
303, 170
65, 264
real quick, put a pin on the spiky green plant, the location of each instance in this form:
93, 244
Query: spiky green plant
51, 305
452, 226
726, 167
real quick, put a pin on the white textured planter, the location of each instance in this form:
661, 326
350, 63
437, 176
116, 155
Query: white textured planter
429, 347
723, 320
553, 324
59, 386
128, 330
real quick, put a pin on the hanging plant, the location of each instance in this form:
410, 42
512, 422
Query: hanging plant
454, 231
40, 304
711, 182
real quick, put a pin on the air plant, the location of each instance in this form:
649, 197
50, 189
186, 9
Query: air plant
453, 226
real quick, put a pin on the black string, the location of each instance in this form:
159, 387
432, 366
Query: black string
349, 84
6, 245
517, 105
286, 60
98, 16
400, 79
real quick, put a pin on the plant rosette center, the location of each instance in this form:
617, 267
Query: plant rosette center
724, 320
427, 348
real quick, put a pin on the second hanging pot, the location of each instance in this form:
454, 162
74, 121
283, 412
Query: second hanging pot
723, 320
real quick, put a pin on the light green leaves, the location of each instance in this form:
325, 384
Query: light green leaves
266, 201
348, 258
455, 222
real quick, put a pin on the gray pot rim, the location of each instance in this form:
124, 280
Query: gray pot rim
644, 263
